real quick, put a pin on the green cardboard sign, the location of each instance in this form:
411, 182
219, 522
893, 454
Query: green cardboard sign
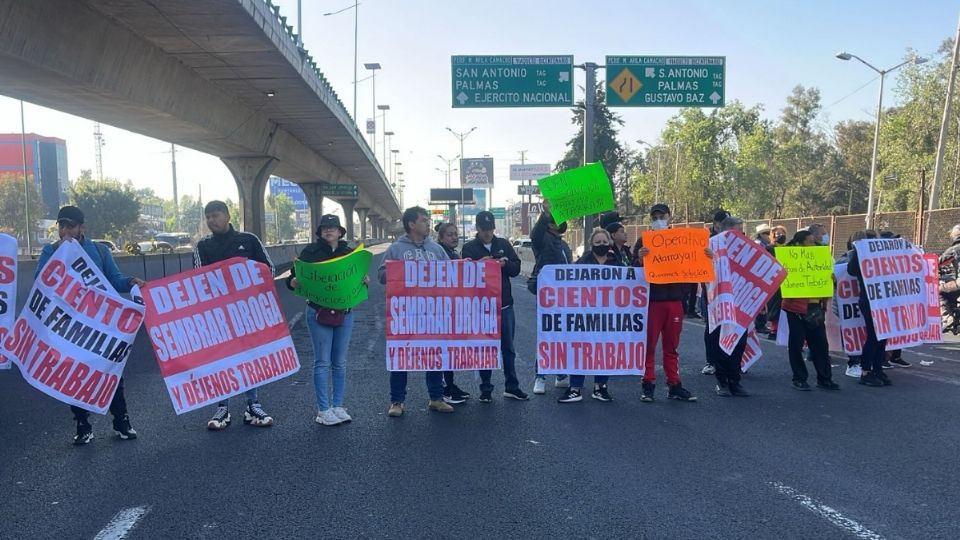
578, 192
335, 283
809, 271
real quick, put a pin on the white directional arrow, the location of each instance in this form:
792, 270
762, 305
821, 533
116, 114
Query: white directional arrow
462, 98
564, 76
650, 72
715, 97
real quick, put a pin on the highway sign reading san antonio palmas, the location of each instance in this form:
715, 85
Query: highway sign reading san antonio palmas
666, 81
512, 81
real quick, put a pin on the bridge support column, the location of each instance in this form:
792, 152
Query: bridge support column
251, 175
362, 214
348, 206
316, 206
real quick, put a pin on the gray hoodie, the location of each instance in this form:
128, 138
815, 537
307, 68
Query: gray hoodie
405, 249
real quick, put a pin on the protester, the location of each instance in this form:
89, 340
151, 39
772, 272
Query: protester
330, 337
548, 248
414, 245
665, 317
727, 366
763, 235
486, 246
762, 238
225, 242
853, 361
949, 290
449, 239
618, 237
871, 361
779, 235
601, 253
708, 368
820, 234
806, 319
893, 359
70, 226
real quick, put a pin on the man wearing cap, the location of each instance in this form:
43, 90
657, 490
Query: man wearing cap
665, 317
70, 227
727, 365
763, 235
549, 248
708, 368
224, 242
485, 246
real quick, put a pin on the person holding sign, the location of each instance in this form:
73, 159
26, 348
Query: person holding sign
414, 245
806, 321
448, 239
871, 361
70, 226
601, 253
485, 246
224, 242
330, 329
666, 319
548, 248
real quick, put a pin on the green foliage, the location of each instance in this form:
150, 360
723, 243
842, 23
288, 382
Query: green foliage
13, 219
111, 210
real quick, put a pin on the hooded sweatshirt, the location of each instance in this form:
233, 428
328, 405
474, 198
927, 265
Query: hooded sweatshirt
405, 249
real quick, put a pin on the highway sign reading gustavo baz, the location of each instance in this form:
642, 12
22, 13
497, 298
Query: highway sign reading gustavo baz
666, 81
512, 81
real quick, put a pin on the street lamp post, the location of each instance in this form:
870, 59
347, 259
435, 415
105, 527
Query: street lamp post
393, 161
373, 67
461, 136
384, 108
356, 16
876, 130
448, 162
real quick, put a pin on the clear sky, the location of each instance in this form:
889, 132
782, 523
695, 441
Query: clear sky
770, 47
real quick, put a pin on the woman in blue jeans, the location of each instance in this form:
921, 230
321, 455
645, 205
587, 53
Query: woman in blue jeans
330, 340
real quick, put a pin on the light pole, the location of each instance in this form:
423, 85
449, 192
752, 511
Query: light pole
876, 131
393, 161
384, 108
656, 195
448, 162
373, 67
461, 136
26, 185
356, 15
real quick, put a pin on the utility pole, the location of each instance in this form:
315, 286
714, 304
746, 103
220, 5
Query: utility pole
944, 125
176, 199
590, 103
461, 137
98, 143
918, 239
676, 179
26, 183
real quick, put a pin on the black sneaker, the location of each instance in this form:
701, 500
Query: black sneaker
870, 379
122, 427
600, 393
887, 365
723, 389
254, 415
485, 397
84, 434
647, 395
737, 390
900, 362
220, 420
884, 379
829, 385
680, 393
516, 393
572, 395
801, 385
454, 399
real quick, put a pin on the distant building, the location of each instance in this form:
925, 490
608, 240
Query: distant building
46, 159
152, 217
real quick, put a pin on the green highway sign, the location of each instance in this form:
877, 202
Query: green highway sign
499, 213
339, 190
512, 81
666, 81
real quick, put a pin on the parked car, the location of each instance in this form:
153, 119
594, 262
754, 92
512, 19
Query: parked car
108, 244
180, 241
149, 248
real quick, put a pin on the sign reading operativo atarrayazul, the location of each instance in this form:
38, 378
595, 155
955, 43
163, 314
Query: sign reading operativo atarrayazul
512, 81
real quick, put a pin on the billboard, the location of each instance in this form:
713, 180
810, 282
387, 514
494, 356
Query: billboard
291, 190
451, 195
476, 172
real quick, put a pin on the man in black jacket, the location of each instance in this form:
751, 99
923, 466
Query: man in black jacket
487, 245
549, 248
224, 243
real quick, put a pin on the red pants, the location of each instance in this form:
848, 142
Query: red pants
664, 318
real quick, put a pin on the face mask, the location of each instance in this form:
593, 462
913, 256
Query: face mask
825, 239
781, 239
658, 224
601, 250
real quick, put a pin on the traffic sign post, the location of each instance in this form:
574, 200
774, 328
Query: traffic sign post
666, 81
528, 171
512, 81
339, 190
499, 212
528, 189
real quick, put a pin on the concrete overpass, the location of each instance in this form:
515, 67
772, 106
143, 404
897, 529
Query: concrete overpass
225, 77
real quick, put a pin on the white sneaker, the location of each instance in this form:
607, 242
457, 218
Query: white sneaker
708, 369
855, 371
540, 386
562, 382
341, 414
327, 418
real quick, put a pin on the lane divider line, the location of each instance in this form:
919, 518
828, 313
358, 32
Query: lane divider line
824, 511
122, 523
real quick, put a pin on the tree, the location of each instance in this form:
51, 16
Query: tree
13, 217
109, 208
283, 209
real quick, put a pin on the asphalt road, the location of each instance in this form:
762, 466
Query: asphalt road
860, 463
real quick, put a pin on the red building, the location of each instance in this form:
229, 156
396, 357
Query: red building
46, 159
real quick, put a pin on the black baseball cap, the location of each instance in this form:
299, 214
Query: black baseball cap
486, 221
70, 214
215, 206
659, 207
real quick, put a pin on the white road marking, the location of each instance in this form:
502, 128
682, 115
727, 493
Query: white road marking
827, 513
122, 523
295, 319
